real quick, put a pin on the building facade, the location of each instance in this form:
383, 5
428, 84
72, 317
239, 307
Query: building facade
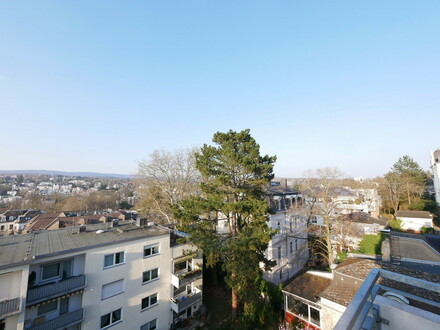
93, 277
288, 247
435, 167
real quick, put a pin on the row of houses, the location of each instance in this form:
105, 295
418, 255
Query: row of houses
24, 221
125, 276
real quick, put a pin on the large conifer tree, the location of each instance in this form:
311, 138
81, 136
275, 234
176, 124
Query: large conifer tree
234, 176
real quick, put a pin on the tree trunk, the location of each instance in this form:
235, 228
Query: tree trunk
234, 300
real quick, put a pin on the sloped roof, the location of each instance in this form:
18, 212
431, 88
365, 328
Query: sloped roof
433, 241
356, 270
414, 214
308, 286
44, 220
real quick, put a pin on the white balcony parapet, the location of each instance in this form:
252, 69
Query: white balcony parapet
364, 312
180, 304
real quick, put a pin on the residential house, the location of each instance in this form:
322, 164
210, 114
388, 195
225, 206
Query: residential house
415, 220
288, 247
44, 221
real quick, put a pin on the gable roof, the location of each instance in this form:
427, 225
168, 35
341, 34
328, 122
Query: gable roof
44, 220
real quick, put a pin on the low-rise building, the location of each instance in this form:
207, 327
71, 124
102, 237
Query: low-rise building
415, 220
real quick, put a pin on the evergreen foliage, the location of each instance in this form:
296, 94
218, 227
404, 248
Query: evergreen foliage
403, 185
234, 176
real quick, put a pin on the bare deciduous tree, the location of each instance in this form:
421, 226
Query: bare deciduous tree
319, 188
165, 179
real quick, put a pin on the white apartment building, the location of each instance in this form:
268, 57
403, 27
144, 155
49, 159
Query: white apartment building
94, 277
435, 167
288, 246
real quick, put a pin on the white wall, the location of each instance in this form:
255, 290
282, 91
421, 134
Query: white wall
131, 271
415, 223
402, 316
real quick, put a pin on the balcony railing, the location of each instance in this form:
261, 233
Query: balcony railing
63, 321
10, 306
179, 305
364, 313
183, 278
53, 290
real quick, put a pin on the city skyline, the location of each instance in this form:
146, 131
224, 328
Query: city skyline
97, 87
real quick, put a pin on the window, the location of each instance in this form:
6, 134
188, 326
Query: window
113, 259
111, 318
151, 250
149, 301
291, 247
47, 308
279, 226
279, 253
182, 266
303, 310
112, 289
50, 271
315, 316
150, 275
296, 244
152, 325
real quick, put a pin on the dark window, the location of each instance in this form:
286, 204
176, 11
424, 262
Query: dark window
111, 318
113, 259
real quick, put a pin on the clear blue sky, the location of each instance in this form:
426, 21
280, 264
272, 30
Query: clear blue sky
98, 85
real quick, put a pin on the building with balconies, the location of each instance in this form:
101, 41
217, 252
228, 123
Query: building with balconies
187, 281
117, 275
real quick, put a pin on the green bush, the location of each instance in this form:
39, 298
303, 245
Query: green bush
428, 230
371, 244
342, 256
395, 224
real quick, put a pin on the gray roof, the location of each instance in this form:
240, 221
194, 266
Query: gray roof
414, 214
23, 249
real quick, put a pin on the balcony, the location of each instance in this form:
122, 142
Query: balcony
179, 304
53, 290
9, 307
63, 321
370, 310
185, 277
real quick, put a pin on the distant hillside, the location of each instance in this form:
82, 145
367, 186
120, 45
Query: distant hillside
48, 172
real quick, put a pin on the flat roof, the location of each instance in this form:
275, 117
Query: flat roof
25, 248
